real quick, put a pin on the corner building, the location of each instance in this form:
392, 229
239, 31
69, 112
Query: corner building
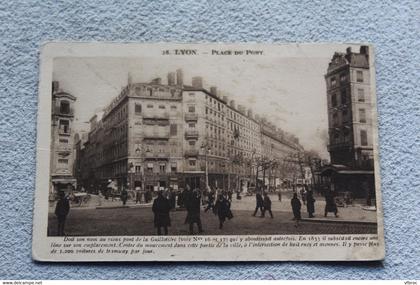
350, 122
62, 140
159, 135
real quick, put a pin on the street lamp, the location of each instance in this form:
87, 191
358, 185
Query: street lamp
206, 150
252, 161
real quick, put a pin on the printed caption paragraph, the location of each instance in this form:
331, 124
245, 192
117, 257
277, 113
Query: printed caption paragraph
148, 245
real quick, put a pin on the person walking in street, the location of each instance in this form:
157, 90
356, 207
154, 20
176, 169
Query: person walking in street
148, 196
193, 204
138, 195
279, 194
161, 208
222, 210
310, 203
230, 194
267, 205
330, 205
303, 194
62, 209
260, 203
296, 205
172, 198
210, 201
124, 196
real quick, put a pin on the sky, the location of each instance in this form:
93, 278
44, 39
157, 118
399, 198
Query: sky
289, 89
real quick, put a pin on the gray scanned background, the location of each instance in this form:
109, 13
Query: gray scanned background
392, 26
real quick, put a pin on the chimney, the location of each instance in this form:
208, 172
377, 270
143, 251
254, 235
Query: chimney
171, 78
213, 90
179, 77
241, 109
250, 113
364, 50
157, 80
232, 104
348, 50
55, 86
225, 98
197, 82
257, 117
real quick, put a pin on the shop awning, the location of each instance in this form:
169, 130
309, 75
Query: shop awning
355, 172
342, 169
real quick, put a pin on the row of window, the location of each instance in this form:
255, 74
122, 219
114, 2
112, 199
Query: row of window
138, 107
343, 78
346, 117
116, 117
344, 97
216, 114
157, 91
342, 136
216, 104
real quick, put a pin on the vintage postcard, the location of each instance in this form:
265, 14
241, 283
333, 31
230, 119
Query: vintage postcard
207, 152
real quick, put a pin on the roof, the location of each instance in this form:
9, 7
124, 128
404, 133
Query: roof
64, 94
353, 59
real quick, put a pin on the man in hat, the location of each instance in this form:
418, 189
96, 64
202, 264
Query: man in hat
193, 205
161, 208
62, 209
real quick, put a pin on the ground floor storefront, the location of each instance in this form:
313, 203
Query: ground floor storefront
360, 183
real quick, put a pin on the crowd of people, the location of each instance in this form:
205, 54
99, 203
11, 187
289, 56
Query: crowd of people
215, 200
191, 201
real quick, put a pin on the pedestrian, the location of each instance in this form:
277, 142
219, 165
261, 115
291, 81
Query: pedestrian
279, 194
172, 198
148, 196
210, 201
62, 209
310, 203
260, 204
138, 195
330, 205
303, 194
192, 202
230, 194
124, 196
238, 195
222, 210
267, 205
296, 205
180, 198
161, 208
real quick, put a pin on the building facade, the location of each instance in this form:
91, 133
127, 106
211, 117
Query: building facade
62, 140
156, 135
350, 121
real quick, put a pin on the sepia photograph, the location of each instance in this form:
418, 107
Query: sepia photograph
214, 140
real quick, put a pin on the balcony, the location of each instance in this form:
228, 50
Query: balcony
191, 134
157, 155
156, 115
153, 134
191, 153
191, 117
345, 145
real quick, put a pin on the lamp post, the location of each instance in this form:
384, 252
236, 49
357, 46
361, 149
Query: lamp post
140, 152
252, 161
206, 150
